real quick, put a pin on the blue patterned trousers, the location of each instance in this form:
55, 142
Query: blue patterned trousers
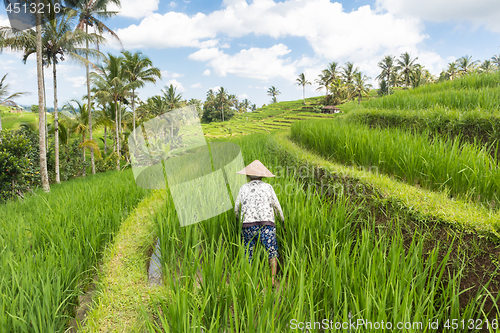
267, 236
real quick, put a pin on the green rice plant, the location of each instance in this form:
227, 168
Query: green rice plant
51, 244
335, 267
464, 100
465, 170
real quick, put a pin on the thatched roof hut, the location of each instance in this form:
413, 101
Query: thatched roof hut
330, 109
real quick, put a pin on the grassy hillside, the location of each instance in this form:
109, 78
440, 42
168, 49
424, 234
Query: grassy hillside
264, 120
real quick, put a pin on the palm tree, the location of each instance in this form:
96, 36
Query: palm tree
406, 65
465, 64
44, 175
59, 40
245, 104
348, 72
360, 86
273, 92
452, 70
110, 83
387, 66
302, 81
197, 104
496, 61
222, 99
139, 70
327, 76
323, 81
79, 124
171, 98
4, 97
90, 14
487, 67
105, 118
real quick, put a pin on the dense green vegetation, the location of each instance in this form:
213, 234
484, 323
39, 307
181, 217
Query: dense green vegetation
335, 265
438, 164
51, 245
467, 108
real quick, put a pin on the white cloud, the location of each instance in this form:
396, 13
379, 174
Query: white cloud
168, 75
172, 4
257, 63
177, 85
196, 85
331, 32
4, 21
169, 30
206, 72
243, 96
77, 81
131, 8
479, 12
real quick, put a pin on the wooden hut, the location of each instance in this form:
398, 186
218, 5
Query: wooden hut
330, 109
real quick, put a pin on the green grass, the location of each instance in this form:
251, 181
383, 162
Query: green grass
12, 121
51, 245
264, 119
335, 266
468, 93
465, 170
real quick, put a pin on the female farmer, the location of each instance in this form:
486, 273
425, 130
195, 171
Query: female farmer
258, 204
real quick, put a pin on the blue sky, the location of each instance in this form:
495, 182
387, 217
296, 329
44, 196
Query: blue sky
248, 46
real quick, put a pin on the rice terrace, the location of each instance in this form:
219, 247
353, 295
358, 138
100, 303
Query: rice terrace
126, 213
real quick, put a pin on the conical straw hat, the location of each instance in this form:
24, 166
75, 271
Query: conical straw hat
257, 169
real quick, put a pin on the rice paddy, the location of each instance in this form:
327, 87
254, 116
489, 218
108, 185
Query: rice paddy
364, 259
51, 245
337, 265
465, 170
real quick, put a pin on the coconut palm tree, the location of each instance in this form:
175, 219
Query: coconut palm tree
302, 81
59, 40
171, 99
452, 71
110, 83
348, 72
360, 87
327, 76
487, 67
222, 99
90, 14
139, 70
323, 81
245, 104
496, 61
273, 92
406, 65
387, 66
44, 175
105, 118
4, 97
465, 64
79, 123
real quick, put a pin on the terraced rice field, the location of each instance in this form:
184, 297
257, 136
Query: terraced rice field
272, 117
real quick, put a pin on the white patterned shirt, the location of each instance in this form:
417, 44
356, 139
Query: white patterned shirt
258, 203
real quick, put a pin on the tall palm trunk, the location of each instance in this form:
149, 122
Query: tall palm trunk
89, 101
41, 120
133, 112
56, 122
45, 113
117, 126
304, 93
